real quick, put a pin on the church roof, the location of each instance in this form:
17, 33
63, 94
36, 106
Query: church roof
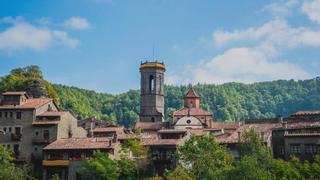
192, 94
192, 112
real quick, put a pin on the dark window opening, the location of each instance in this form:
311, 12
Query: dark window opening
17, 130
46, 134
10, 129
37, 133
18, 114
5, 129
151, 83
11, 114
16, 149
0, 114
6, 114
188, 121
35, 149
152, 119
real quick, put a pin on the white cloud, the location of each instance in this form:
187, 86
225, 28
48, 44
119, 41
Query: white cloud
282, 8
244, 65
312, 9
23, 35
77, 23
275, 32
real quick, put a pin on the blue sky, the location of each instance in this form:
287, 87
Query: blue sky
99, 44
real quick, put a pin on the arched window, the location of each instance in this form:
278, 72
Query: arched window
151, 83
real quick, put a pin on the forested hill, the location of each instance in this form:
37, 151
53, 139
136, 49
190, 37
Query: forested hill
230, 101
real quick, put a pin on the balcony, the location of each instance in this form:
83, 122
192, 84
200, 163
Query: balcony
16, 137
40, 140
55, 162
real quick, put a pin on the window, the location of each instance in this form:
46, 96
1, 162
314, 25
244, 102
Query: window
6, 114
152, 119
17, 130
311, 148
35, 149
46, 134
151, 83
18, 115
0, 114
188, 121
37, 133
295, 149
5, 129
11, 114
10, 129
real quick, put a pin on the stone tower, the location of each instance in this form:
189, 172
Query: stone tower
152, 95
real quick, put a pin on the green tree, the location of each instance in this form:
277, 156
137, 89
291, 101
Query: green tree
127, 168
8, 170
249, 168
99, 167
204, 157
180, 173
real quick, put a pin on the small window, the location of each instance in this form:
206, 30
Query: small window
37, 133
10, 129
11, 114
0, 114
5, 129
35, 149
152, 119
18, 115
295, 149
6, 114
188, 121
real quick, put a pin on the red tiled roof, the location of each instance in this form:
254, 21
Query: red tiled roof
299, 113
29, 104
265, 128
191, 94
108, 129
149, 125
225, 125
53, 113
80, 143
192, 112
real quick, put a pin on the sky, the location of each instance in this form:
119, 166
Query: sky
99, 44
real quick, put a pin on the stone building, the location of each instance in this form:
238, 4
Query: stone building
152, 92
29, 124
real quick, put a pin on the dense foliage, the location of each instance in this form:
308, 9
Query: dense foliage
230, 101
8, 170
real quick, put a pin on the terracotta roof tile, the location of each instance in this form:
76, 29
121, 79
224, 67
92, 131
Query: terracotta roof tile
29, 104
192, 112
149, 125
225, 125
108, 129
191, 94
80, 143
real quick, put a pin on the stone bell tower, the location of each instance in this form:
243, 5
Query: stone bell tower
152, 94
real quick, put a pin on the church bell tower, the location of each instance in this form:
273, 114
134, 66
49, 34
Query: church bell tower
152, 92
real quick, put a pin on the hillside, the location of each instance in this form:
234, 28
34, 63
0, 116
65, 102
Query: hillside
230, 101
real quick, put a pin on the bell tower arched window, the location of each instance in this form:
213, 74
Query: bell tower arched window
151, 83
